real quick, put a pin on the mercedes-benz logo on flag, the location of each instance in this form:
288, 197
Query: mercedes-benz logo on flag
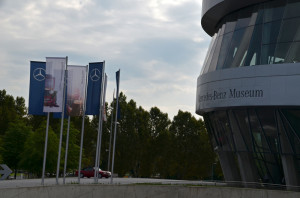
39, 74
95, 75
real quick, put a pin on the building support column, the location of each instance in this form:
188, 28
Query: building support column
290, 172
248, 169
229, 166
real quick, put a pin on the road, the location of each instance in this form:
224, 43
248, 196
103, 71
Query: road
117, 181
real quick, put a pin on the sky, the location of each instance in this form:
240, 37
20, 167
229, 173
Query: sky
159, 45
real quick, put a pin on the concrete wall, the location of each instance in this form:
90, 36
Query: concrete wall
141, 191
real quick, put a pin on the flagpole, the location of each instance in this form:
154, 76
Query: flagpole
96, 172
111, 124
67, 146
115, 131
45, 150
62, 123
82, 126
101, 126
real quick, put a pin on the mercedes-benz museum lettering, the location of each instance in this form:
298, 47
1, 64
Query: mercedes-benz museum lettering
248, 90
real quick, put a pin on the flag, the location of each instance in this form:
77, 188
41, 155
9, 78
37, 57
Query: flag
94, 88
118, 85
54, 84
104, 100
118, 80
57, 115
76, 83
36, 88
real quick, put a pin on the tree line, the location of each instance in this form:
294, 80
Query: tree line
148, 143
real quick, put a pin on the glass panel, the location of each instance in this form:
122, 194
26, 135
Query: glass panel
268, 122
254, 15
222, 134
261, 144
260, 14
210, 130
214, 61
210, 55
253, 55
297, 35
291, 122
274, 10
223, 122
267, 54
270, 32
281, 52
289, 30
292, 9
241, 53
243, 137
224, 49
244, 18
235, 43
207, 54
231, 22
293, 53
293, 115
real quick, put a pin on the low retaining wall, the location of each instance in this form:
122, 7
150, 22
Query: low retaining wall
141, 191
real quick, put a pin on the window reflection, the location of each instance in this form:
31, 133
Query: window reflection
270, 32
293, 54
266, 133
290, 30
292, 9
266, 33
274, 10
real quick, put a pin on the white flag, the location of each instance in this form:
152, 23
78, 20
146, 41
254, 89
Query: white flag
76, 84
54, 84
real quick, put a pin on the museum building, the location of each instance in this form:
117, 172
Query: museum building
248, 91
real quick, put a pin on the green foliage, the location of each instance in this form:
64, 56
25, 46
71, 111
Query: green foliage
1, 150
148, 143
10, 110
191, 146
13, 143
73, 147
32, 156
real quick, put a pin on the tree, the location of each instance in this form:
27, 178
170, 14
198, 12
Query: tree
20, 107
7, 111
160, 142
73, 148
192, 147
13, 143
33, 153
1, 150
144, 160
125, 156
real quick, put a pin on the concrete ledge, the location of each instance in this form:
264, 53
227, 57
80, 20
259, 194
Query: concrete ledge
141, 191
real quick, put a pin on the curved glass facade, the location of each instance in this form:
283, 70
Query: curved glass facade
267, 33
269, 136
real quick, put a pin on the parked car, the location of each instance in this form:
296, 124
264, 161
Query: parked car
89, 172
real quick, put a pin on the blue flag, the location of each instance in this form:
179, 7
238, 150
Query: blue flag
94, 88
118, 80
118, 84
37, 87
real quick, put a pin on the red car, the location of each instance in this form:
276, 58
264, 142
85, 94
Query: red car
89, 172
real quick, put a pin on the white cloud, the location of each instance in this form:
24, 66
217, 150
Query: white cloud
158, 44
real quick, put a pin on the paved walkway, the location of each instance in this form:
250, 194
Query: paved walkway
117, 181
